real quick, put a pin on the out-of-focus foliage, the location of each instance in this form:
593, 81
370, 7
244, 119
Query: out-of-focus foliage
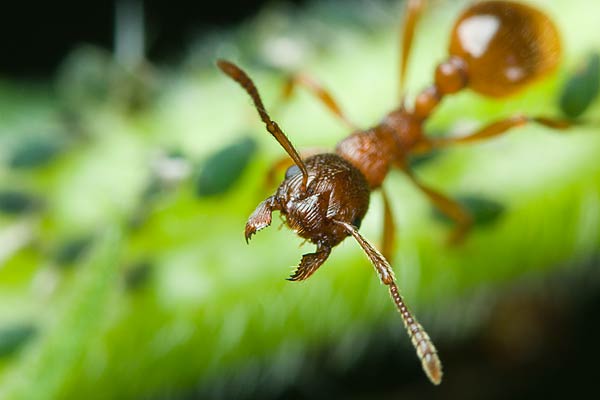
161, 294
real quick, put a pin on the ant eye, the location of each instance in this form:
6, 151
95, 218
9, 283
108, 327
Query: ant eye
291, 171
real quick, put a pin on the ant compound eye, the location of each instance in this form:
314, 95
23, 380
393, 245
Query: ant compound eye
292, 171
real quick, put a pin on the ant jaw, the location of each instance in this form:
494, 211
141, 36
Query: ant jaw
260, 218
310, 263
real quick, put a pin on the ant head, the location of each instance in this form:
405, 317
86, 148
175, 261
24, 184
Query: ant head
336, 190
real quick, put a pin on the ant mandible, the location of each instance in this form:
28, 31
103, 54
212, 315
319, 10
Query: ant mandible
497, 48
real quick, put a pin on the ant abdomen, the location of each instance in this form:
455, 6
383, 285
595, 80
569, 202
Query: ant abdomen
504, 46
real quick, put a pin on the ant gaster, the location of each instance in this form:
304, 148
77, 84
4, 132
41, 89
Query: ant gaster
496, 49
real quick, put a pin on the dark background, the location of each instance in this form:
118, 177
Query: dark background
36, 36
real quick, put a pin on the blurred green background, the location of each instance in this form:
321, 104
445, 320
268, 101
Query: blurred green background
125, 184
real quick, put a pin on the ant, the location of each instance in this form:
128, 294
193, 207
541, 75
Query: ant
497, 48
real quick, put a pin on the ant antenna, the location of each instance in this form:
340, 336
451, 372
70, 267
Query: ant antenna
236, 73
420, 339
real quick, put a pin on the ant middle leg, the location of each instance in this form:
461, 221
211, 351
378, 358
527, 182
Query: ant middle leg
498, 128
447, 206
388, 234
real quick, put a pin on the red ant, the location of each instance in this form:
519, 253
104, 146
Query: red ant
497, 48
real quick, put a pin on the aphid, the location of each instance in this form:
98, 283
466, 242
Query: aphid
497, 48
13, 337
223, 168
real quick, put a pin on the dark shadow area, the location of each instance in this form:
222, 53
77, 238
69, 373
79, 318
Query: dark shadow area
35, 37
538, 342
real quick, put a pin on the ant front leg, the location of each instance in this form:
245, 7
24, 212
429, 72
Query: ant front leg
498, 128
316, 89
310, 263
424, 347
447, 206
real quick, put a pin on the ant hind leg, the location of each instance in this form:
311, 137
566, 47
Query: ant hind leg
449, 207
498, 128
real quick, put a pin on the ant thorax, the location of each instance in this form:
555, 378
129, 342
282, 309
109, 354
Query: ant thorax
370, 153
374, 151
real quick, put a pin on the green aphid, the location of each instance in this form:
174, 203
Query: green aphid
137, 274
71, 250
223, 168
16, 202
13, 337
582, 87
483, 211
34, 152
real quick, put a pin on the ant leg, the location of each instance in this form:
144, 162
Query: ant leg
449, 207
310, 263
498, 128
322, 94
413, 12
388, 237
276, 169
426, 351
